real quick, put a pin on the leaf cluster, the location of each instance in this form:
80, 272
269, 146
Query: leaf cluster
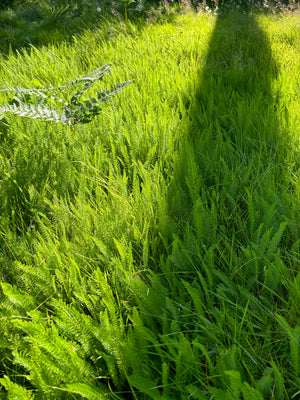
37, 103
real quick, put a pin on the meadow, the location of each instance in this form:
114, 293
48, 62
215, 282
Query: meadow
153, 253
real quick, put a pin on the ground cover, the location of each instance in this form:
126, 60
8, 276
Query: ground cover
154, 252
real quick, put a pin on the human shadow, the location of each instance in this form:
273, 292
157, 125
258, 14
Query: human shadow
229, 226
224, 185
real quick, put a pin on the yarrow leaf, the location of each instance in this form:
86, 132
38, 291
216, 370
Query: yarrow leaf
74, 111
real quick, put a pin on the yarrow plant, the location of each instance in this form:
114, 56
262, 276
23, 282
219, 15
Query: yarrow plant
69, 108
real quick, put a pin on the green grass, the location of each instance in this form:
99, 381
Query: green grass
154, 253
26, 23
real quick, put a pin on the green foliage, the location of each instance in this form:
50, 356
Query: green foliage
154, 254
15, 391
74, 111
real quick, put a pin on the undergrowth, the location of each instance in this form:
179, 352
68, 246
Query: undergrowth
155, 254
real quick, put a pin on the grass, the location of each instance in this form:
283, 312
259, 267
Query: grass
154, 253
37, 23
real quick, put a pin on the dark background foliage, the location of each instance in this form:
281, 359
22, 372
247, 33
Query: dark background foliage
25, 23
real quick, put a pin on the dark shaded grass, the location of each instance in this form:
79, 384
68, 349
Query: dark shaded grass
28, 23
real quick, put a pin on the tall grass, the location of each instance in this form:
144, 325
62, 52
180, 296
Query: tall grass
154, 254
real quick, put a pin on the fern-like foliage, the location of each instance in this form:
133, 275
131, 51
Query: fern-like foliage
14, 390
37, 103
37, 112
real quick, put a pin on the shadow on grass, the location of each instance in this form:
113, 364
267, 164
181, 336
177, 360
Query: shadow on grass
228, 209
40, 23
229, 169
